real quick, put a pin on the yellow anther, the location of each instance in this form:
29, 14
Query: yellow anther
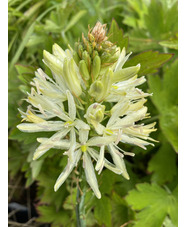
115, 87
108, 132
33, 118
68, 123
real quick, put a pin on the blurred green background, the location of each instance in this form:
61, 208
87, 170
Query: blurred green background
149, 29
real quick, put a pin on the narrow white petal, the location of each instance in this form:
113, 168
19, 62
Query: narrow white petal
72, 144
99, 141
118, 161
83, 136
41, 127
101, 158
98, 127
135, 141
90, 175
71, 105
46, 145
68, 169
94, 154
122, 59
79, 124
118, 111
132, 117
62, 144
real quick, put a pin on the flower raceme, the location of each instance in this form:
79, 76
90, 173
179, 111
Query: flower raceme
92, 103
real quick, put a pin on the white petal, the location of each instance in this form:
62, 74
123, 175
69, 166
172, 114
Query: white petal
122, 59
51, 107
46, 145
41, 127
120, 110
94, 154
58, 52
90, 175
98, 127
132, 117
99, 141
71, 105
101, 158
83, 136
68, 169
79, 124
62, 144
118, 161
72, 144
135, 141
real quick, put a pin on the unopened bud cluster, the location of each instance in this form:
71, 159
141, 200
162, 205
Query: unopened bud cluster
92, 103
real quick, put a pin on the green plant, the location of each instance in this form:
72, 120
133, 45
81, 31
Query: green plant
148, 27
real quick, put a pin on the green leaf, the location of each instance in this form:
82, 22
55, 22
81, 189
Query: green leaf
165, 98
106, 181
49, 214
27, 36
102, 211
172, 44
153, 204
115, 35
46, 181
169, 125
154, 19
36, 167
121, 213
16, 158
161, 20
70, 201
135, 12
150, 61
75, 19
163, 164
23, 69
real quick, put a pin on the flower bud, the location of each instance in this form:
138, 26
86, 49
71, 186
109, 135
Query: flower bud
126, 73
96, 67
84, 70
107, 80
94, 54
86, 57
76, 57
95, 112
96, 89
53, 62
105, 57
71, 78
58, 52
80, 50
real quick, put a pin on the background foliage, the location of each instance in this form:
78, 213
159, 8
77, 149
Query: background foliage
149, 30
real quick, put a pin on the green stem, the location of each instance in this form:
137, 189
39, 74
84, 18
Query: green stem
77, 208
80, 208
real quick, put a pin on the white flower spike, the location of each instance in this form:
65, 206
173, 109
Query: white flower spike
92, 104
